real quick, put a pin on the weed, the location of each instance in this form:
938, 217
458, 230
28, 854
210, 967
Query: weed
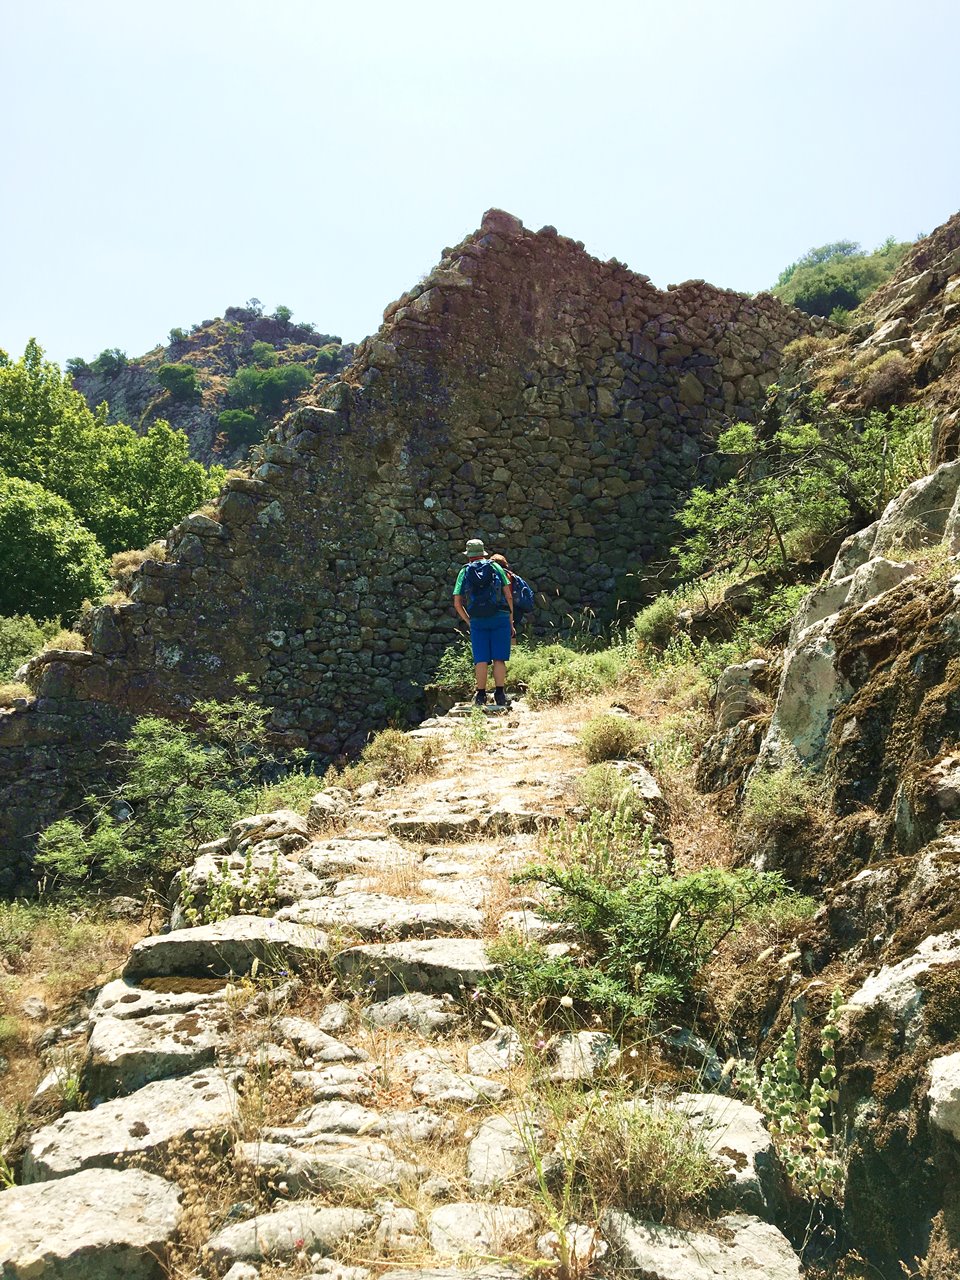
610, 737
474, 733
778, 799
392, 756
66, 639
14, 691
603, 788
253, 892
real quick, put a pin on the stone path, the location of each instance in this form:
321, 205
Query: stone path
325, 1050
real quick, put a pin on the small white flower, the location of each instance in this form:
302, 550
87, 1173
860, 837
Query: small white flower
566, 1002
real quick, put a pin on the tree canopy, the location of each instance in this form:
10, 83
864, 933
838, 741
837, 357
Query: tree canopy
126, 488
49, 563
838, 275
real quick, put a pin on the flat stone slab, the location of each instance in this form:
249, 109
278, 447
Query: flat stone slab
349, 1164
119, 999
300, 1228
124, 1054
328, 859
315, 1044
752, 1250
144, 1121
336, 1081
440, 823
231, 946
431, 965
479, 1228
100, 1224
452, 1273
419, 1124
430, 1015
381, 916
447, 1085
502, 1149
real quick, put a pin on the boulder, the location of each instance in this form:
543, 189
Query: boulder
500, 1052
736, 696
430, 1015
580, 1055
99, 1224
502, 1148
316, 1044
919, 515
447, 1085
231, 946
748, 1250
145, 1121
735, 1134
893, 994
346, 1164
944, 1094
120, 999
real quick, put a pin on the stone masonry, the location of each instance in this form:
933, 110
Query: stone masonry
558, 406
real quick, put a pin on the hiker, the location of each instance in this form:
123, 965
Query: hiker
482, 597
523, 600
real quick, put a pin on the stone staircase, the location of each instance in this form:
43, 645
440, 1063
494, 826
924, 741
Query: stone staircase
325, 1049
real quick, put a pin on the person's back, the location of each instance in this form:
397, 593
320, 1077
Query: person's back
523, 599
482, 597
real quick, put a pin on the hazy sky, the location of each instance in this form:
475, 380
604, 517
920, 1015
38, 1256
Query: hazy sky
162, 161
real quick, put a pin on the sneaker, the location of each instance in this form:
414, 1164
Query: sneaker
500, 696
480, 698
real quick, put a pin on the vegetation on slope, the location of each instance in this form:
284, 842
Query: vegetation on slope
834, 279
75, 488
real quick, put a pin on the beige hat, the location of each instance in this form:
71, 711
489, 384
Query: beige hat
475, 547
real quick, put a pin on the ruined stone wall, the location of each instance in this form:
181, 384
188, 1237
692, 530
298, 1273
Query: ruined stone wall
558, 406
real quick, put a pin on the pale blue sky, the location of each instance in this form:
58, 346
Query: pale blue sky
161, 162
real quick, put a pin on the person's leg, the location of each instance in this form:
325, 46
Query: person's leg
500, 653
480, 643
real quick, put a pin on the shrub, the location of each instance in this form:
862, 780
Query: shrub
656, 625
240, 426
124, 564
179, 788
263, 354
610, 737
76, 365
455, 669
643, 935
884, 380
778, 799
13, 691
328, 358
180, 381
604, 788
393, 756
556, 674
176, 336
65, 639
802, 349
20, 638
110, 362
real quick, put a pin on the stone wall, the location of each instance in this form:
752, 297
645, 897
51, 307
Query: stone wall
558, 406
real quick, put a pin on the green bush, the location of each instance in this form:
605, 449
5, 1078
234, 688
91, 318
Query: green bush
263, 354
392, 756
778, 799
49, 563
838, 275
554, 673
180, 381
180, 787
657, 624
240, 426
609, 737
267, 389
604, 788
328, 358
110, 362
642, 934
20, 638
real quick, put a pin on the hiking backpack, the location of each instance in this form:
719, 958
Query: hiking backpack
523, 599
482, 589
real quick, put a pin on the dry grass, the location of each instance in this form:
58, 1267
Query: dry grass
66, 639
14, 691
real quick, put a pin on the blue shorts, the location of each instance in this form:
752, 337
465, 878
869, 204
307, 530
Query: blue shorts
490, 638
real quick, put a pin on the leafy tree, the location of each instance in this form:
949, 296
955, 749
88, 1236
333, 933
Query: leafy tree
283, 314
180, 381
838, 275
76, 365
182, 786
176, 336
49, 563
328, 358
127, 489
110, 362
798, 487
240, 426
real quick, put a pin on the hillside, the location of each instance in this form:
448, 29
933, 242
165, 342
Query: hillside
216, 351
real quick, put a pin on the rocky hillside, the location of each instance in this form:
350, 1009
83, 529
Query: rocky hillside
216, 350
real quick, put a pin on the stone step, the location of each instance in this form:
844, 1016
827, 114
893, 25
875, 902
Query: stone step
432, 965
295, 1231
229, 947
383, 916
145, 1121
99, 1224
748, 1250
124, 1054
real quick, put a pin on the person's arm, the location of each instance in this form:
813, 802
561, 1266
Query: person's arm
508, 596
459, 609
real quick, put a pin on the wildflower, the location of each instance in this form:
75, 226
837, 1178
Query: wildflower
566, 1002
